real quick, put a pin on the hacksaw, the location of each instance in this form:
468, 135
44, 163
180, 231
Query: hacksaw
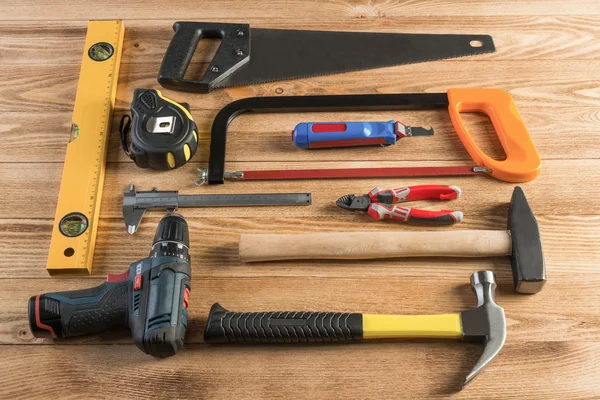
78, 208
522, 163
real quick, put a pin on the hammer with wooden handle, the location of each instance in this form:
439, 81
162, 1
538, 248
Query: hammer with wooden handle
521, 242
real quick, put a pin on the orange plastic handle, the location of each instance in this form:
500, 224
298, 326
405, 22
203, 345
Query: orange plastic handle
523, 162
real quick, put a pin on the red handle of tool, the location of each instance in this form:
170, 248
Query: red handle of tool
418, 192
406, 214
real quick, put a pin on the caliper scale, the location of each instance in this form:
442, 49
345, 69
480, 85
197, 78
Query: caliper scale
136, 203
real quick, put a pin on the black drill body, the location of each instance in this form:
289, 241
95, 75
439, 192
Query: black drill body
150, 298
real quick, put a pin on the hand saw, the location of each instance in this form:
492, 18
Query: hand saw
248, 56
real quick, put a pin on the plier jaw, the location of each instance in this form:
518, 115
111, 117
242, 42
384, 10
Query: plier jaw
354, 203
379, 204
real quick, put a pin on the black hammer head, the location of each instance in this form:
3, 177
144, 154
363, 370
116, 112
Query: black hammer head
527, 257
485, 323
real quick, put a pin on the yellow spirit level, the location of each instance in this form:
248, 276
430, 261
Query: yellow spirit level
78, 208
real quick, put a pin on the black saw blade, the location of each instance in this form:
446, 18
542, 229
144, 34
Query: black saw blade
277, 54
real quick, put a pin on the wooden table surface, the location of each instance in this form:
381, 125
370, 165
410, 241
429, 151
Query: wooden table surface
547, 57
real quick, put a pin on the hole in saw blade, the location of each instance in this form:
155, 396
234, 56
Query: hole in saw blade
480, 128
203, 55
476, 43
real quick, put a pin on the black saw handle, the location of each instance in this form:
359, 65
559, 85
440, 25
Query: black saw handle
224, 326
79, 312
233, 52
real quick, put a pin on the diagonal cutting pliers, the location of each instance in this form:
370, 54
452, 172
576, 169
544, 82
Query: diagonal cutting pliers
379, 204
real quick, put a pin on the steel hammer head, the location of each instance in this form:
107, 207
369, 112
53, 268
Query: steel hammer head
527, 257
485, 323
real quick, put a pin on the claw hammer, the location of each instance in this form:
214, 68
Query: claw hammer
521, 242
485, 324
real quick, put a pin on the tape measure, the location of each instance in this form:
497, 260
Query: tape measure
78, 208
162, 132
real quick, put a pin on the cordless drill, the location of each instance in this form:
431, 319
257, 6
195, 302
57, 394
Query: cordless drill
151, 298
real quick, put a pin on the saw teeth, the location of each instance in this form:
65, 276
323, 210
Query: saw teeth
345, 201
224, 84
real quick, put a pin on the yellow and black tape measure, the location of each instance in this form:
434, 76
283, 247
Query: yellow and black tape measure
163, 134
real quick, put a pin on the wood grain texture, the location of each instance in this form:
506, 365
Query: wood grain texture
482, 195
267, 138
548, 59
305, 11
366, 371
516, 37
43, 88
400, 292
565, 239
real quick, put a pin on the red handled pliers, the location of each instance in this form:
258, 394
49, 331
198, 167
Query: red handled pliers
379, 204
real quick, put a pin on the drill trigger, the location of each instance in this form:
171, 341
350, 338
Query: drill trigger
118, 277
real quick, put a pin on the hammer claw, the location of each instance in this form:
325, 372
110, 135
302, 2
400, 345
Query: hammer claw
486, 323
490, 351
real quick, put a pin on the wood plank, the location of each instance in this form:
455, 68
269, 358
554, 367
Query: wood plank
571, 133
517, 38
539, 83
33, 192
367, 371
547, 58
528, 319
570, 246
291, 10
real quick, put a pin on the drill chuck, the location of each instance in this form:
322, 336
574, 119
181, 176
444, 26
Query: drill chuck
172, 238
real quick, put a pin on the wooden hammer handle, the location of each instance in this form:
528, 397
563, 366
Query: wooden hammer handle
364, 245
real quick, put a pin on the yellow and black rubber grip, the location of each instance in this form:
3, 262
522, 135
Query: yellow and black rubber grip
224, 326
